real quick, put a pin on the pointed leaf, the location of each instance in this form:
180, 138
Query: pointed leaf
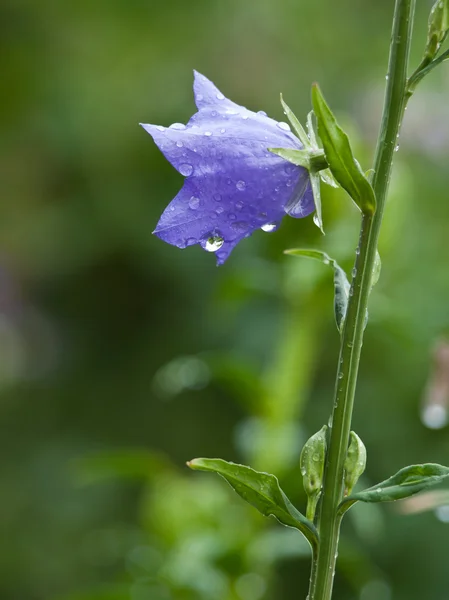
406, 482
296, 124
342, 163
315, 184
296, 157
341, 283
261, 490
311, 129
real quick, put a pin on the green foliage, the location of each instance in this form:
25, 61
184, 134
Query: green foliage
341, 283
355, 463
405, 483
313, 456
262, 491
339, 155
437, 29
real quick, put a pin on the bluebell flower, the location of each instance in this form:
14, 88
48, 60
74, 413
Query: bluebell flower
233, 185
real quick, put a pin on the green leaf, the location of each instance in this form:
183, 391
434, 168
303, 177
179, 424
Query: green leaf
301, 158
261, 490
343, 165
341, 283
296, 124
316, 191
406, 482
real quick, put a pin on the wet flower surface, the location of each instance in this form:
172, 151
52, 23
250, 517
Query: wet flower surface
233, 184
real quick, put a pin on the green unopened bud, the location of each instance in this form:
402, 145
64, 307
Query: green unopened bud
311, 462
355, 462
438, 28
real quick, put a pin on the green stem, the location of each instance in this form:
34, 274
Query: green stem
352, 335
424, 68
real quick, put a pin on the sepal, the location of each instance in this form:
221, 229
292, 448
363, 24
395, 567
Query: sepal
344, 167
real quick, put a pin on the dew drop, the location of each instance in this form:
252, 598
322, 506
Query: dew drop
223, 130
160, 128
190, 241
245, 117
194, 202
208, 133
213, 113
283, 126
354, 272
340, 375
213, 243
220, 96
179, 126
240, 185
217, 197
232, 217
316, 220
396, 148
200, 97
219, 210
239, 205
262, 113
179, 144
240, 226
185, 169
269, 227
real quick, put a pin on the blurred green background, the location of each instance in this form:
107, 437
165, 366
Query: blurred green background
122, 357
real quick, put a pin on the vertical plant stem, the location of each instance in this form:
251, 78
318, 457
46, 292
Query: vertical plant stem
352, 335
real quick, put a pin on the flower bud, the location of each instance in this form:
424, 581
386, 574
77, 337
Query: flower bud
438, 28
355, 462
312, 460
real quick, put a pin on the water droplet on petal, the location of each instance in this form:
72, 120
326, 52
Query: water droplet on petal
217, 197
240, 185
190, 241
179, 126
194, 202
245, 117
213, 113
240, 226
239, 205
208, 133
283, 126
179, 144
213, 243
232, 217
220, 96
200, 97
222, 130
219, 210
262, 113
269, 227
185, 169
160, 128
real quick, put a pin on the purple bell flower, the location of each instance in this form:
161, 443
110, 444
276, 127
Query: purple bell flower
233, 184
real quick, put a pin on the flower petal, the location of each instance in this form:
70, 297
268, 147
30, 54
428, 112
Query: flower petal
206, 93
